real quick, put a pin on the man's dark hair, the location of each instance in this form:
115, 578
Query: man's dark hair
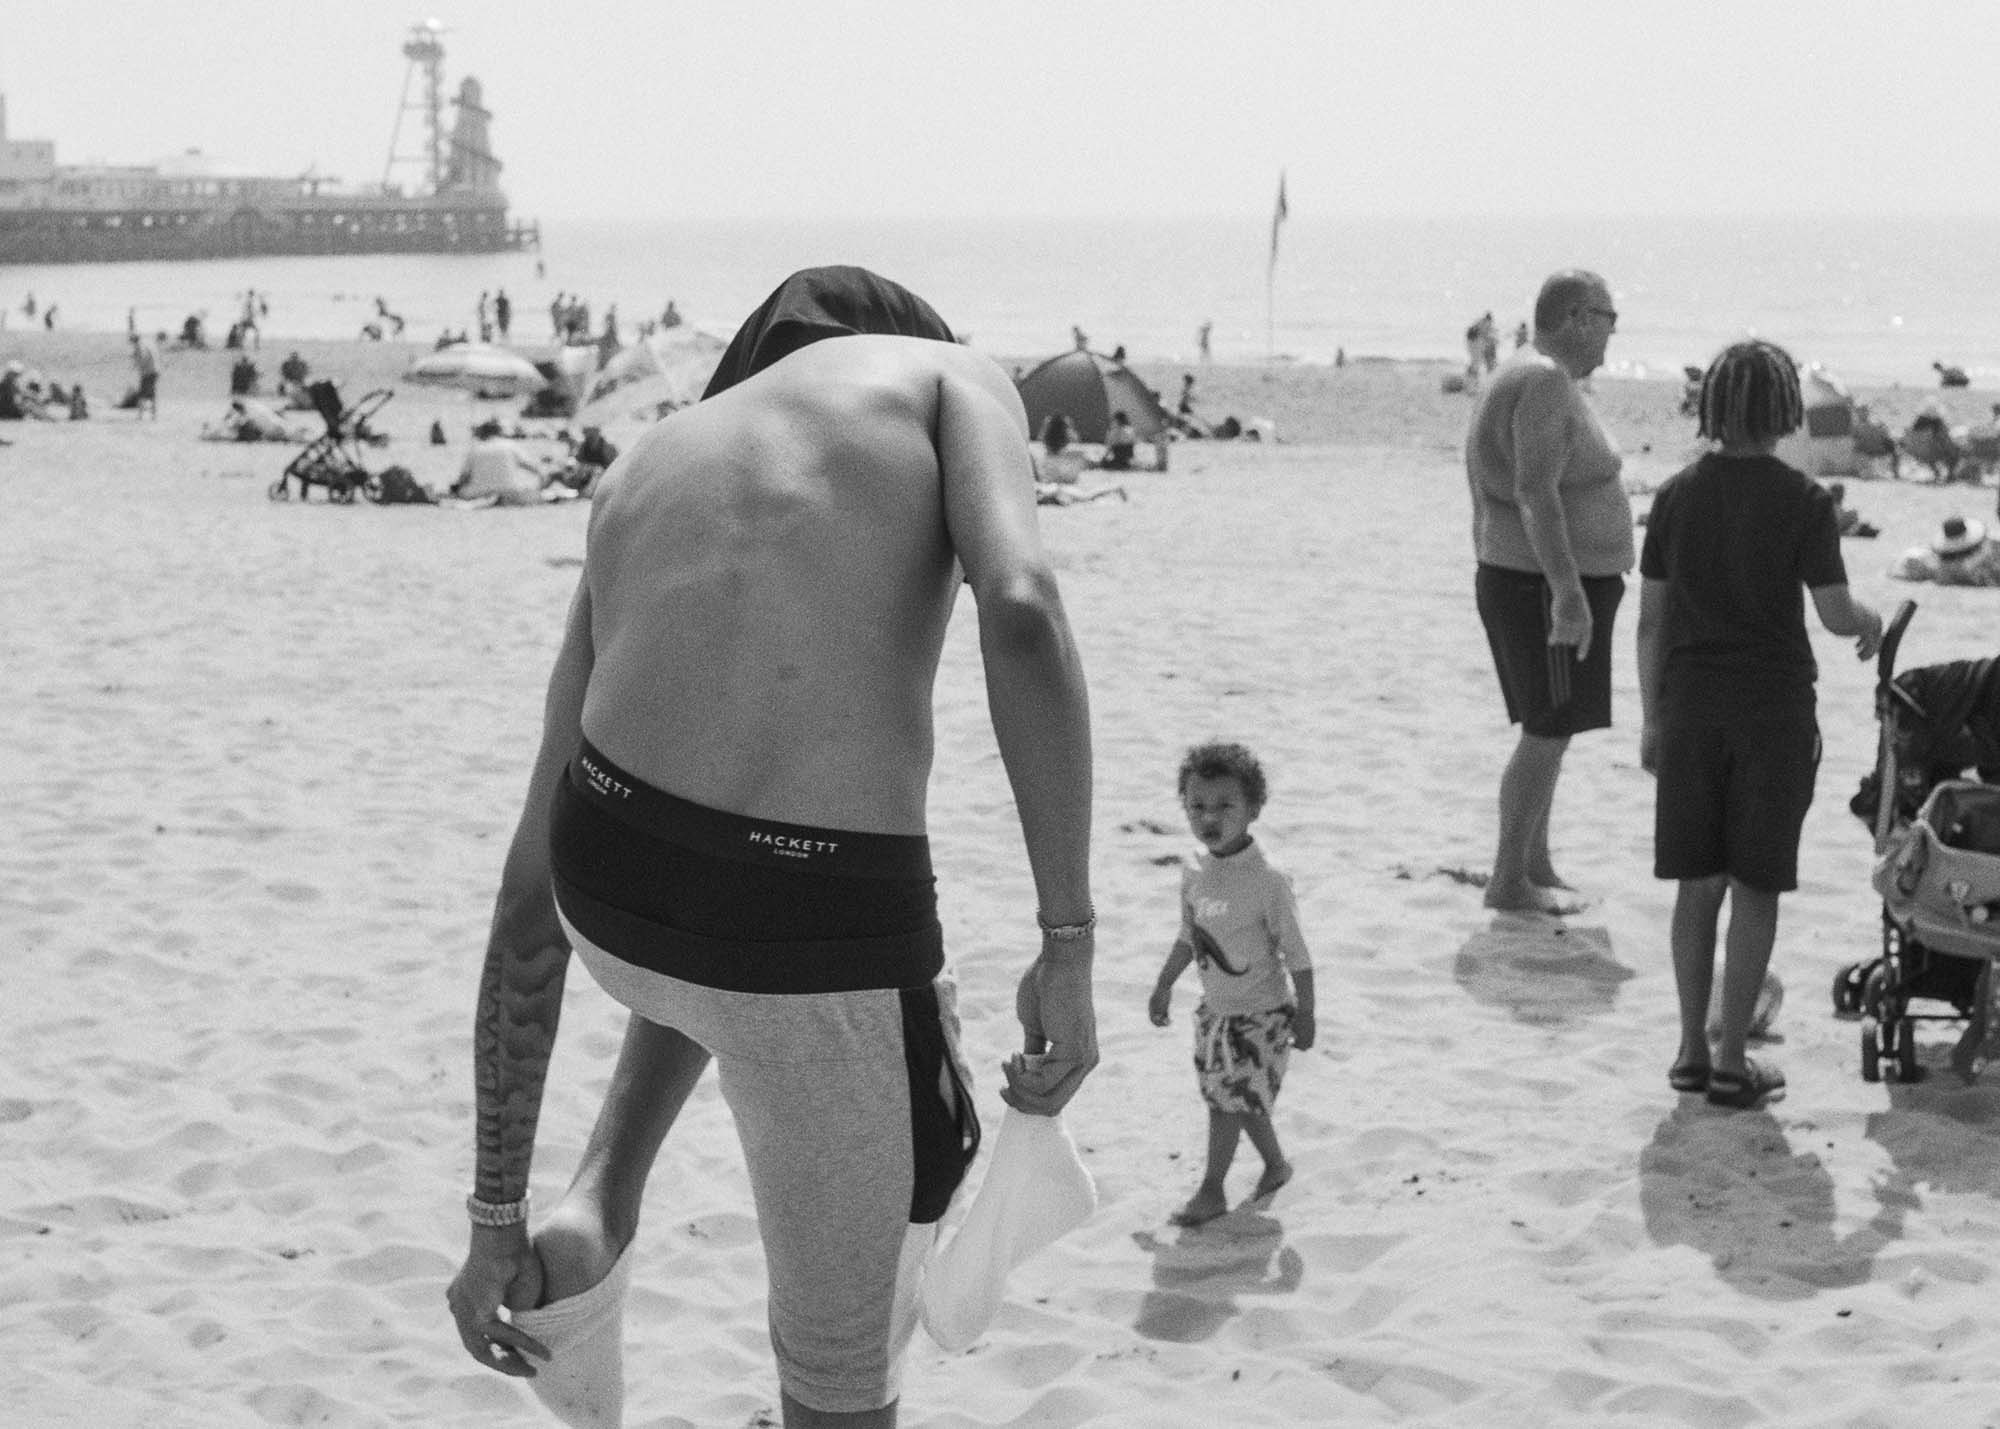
1750, 394
1220, 760
1562, 294
818, 303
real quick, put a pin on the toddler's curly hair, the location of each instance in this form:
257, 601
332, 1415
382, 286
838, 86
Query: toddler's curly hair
1220, 760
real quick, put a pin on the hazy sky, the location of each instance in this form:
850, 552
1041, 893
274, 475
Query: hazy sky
820, 108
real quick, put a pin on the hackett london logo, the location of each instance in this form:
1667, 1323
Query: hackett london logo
603, 783
790, 845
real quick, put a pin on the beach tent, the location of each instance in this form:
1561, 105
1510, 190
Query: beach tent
1824, 446
1087, 388
653, 376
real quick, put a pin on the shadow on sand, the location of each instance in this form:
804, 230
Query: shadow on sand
1729, 1185
1543, 971
1198, 1275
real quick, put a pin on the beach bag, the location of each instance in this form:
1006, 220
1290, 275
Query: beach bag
396, 487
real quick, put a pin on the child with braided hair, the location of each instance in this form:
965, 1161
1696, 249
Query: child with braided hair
1726, 677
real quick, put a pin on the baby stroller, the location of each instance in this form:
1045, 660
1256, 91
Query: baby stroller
333, 461
1937, 864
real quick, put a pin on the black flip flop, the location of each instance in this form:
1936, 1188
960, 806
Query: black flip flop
1688, 1077
1741, 1092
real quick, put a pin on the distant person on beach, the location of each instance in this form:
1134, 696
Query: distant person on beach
671, 317
1240, 928
292, 374
49, 317
1060, 465
1552, 532
1961, 554
1726, 676
146, 366
589, 461
503, 312
1201, 336
394, 320
17, 402
1080, 338
496, 466
726, 821
1120, 442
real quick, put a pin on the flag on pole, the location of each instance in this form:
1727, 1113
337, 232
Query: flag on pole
1278, 217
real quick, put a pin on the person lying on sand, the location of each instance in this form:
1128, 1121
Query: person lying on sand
1961, 554
1240, 926
726, 821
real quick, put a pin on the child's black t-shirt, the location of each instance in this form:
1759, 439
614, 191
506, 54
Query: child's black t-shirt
1739, 540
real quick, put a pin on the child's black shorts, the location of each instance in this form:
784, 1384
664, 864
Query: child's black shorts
1733, 797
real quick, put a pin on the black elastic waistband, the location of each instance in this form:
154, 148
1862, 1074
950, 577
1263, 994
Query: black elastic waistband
794, 966
838, 853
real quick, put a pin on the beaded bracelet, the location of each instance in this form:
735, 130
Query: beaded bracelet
1068, 932
496, 1213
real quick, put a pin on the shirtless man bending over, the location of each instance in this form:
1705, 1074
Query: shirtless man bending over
726, 822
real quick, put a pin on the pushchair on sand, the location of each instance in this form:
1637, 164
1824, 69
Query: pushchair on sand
1937, 864
332, 461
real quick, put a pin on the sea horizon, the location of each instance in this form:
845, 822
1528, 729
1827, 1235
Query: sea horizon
1875, 299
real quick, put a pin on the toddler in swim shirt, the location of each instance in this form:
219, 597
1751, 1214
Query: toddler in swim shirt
1240, 927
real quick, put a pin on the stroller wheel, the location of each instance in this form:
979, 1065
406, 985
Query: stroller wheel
280, 490
1847, 986
1873, 992
1871, 1051
1907, 1067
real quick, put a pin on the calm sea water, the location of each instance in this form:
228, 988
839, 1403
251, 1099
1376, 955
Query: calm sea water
1876, 300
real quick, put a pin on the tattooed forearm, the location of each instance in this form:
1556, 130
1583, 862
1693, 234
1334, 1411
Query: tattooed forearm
520, 1001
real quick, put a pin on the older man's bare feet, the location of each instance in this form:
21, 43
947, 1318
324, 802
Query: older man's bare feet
1526, 897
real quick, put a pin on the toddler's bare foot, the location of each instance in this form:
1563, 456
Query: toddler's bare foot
1205, 1206
1270, 1183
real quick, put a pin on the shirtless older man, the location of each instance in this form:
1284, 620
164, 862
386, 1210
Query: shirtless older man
727, 823
1552, 530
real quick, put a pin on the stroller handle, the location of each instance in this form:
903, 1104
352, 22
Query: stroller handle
1892, 637
1887, 696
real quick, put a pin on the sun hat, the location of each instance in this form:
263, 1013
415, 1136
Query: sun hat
1960, 537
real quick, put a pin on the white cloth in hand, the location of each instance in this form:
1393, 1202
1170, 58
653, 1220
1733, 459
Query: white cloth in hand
1036, 1191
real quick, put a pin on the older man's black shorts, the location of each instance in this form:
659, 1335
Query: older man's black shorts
1514, 607
1732, 798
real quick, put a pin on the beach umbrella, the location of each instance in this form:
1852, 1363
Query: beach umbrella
1087, 388
653, 376
478, 367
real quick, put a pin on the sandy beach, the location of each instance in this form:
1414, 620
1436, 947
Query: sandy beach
262, 759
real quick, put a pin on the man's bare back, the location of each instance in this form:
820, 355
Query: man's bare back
765, 595
770, 575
